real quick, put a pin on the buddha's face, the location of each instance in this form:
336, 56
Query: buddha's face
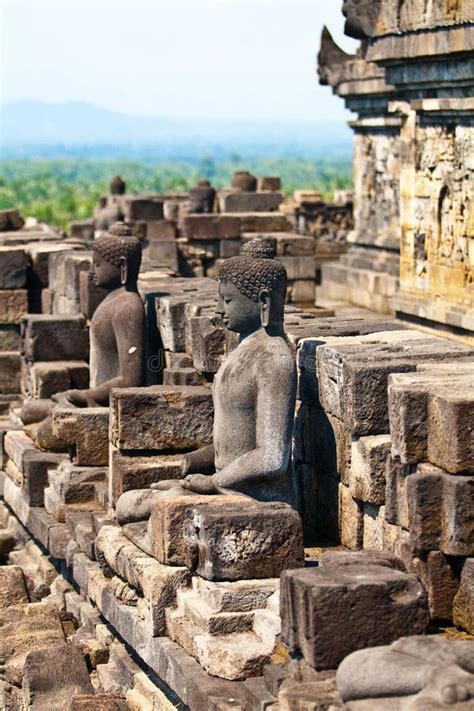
103, 273
238, 312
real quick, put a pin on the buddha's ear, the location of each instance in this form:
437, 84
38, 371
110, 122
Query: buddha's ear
123, 270
265, 303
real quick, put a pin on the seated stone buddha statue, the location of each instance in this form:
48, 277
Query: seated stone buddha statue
254, 394
117, 331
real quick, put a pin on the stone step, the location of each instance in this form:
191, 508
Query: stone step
239, 596
233, 656
205, 619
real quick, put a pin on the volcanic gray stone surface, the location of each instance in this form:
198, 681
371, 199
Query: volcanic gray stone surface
329, 612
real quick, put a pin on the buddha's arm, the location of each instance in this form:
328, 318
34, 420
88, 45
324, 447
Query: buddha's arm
200, 461
129, 329
274, 423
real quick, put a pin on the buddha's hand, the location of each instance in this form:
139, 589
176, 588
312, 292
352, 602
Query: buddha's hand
78, 398
200, 483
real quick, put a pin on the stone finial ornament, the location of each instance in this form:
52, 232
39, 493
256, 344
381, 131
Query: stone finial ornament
117, 186
244, 181
202, 198
330, 59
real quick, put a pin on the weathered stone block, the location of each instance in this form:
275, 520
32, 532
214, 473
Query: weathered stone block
10, 373
268, 183
167, 526
13, 589
42, 380
341, 557
25, 628
229, 248
351, 519
161, 417
374, 517
13, 266
207, 343
90, 295
10, 339
211, 227
48, 338
171, 321
328, 613
32, 464
52, 676
10, 220
439, 577
262, 222
138, 209
156, 582
129, 471
237, 542
161, 230
301, 291
463, 608
183, 376
230, 201
13, 305
98, 702
368, 466
396, 501
451, 428
299, 267
86, 430
353, 376
440, 511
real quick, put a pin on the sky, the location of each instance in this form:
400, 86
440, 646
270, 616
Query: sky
236, 59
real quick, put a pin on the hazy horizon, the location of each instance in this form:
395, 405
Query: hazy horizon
202, 59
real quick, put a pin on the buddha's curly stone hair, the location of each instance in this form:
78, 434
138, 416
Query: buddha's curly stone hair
119, 243
254, 270
258, 249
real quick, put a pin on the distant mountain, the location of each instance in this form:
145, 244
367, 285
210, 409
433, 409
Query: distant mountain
33, 128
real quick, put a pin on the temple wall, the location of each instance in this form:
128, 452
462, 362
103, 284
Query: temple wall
377, 188
437, 217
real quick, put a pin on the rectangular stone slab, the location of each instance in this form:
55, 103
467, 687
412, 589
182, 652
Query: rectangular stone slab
10, 373
55, 338
327, 613
129, 472
211, 227
168, 521
161, 417
353, 376
231, 201
13, 305
451, 427
13, 265
245, 541
440, 511
33, 465
85, 429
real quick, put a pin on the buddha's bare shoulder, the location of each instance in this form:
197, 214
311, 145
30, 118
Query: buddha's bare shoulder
277, 350
127, 305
